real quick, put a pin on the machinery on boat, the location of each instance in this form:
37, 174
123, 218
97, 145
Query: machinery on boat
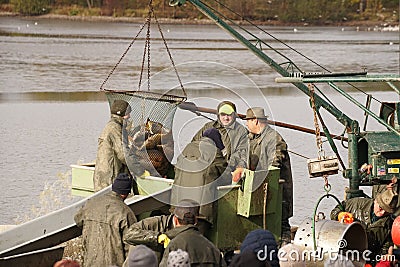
373, 157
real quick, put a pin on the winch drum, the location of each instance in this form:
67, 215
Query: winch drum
332, 236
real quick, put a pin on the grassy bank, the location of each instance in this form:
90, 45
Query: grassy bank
383, 19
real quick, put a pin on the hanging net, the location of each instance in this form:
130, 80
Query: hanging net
147, 134
148, 137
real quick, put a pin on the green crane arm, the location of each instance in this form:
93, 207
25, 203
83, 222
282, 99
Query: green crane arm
319, 102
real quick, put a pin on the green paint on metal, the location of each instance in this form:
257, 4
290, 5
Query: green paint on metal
230, 228
82, 180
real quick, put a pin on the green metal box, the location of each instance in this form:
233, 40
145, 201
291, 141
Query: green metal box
251, 197
383, 154
82, 179
230, 228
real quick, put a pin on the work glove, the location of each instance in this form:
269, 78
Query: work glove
145, 174
237, 175
163, 239
345, 217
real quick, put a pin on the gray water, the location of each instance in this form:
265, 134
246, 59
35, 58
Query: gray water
52, 111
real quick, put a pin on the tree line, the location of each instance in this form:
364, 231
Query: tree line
287, 11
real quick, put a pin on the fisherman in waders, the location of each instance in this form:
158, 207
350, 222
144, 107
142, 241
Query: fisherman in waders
110, 159
104, 219
268, 148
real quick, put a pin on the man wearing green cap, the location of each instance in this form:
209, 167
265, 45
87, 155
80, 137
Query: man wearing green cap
233, 135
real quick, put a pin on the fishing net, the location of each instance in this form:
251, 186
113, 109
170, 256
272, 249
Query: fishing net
147, 135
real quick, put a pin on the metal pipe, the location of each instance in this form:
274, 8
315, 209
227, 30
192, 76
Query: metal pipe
192, 107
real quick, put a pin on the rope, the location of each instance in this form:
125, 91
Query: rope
265, 206
297, 154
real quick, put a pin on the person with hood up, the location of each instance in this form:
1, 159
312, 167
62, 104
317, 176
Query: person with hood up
199, 169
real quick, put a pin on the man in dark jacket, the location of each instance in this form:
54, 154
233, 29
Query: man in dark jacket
104, 220
234, 137
147, 231
186, 236
268, 148
110, 159
375, 215
199, 169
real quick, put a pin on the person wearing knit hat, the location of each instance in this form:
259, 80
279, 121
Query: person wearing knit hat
104, 220
214, 135
122, 184
263, 244
248, 259
291, 255
110, 158
178, 258
141, 256
233, 135
375, 215
186, 236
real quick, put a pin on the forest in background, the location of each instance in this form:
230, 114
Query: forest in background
317, 12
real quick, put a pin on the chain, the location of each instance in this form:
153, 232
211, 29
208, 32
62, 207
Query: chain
327, 186
169, 54
123, 55
146, 51
148, 45
321, 153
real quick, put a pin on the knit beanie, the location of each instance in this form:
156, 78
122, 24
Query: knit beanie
142, 256
214, 135
291, 255
178, 258
120, 107
122, 184
247, 259
263, 243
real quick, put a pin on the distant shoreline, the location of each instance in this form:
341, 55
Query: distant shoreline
361, 24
